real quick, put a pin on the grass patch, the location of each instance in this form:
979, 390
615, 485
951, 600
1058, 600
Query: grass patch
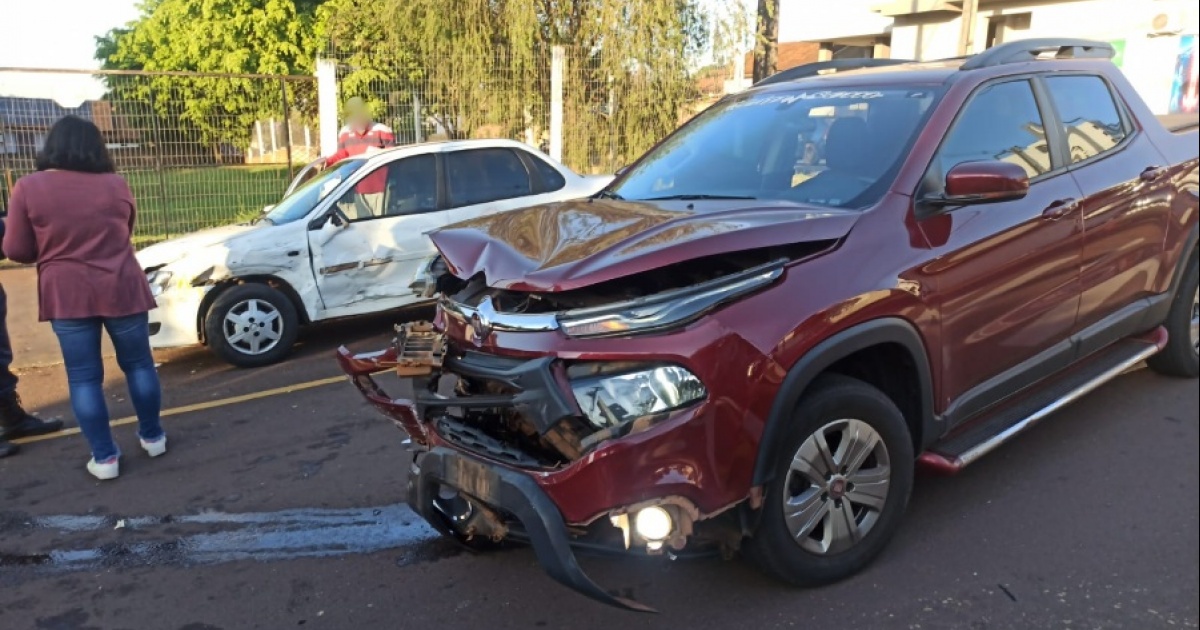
175, 202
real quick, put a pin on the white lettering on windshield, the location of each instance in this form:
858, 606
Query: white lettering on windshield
788, 99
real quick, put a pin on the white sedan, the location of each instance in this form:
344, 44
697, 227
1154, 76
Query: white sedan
349, 241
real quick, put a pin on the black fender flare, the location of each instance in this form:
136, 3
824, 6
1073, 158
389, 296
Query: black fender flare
814, 362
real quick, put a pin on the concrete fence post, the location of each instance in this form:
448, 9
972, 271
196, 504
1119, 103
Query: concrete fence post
557, 63
327, 105
418, 136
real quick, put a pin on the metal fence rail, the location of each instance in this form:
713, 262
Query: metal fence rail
201, 150
609, 117
198, 150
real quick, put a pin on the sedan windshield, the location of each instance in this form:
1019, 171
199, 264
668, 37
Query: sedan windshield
838, 148
297, 205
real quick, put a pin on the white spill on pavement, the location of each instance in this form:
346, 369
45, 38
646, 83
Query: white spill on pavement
225, 537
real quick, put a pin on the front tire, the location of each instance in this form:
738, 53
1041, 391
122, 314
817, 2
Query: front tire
251, 325
1181, 356
840, 486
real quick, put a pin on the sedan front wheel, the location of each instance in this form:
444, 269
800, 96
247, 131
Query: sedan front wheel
251, 325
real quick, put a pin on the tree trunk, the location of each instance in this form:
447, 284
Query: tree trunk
766, 40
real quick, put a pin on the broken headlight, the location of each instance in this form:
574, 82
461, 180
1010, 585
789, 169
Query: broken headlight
667, 309
613, 401
160, 280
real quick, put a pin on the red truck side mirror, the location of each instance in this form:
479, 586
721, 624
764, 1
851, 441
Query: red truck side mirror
982, 182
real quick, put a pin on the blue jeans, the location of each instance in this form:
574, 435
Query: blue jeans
80, 343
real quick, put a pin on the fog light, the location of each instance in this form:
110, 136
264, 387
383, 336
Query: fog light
653, 524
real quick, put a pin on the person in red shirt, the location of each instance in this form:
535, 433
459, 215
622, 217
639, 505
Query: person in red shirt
360, 135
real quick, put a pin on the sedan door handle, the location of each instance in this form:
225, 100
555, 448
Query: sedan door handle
1060, 209
1152, 173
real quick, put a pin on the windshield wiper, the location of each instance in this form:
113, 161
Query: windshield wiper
697, 197
608, 194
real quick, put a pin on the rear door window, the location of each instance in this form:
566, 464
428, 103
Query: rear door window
1091, 121
483, 175
552, 180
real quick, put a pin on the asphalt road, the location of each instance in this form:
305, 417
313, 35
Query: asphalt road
286, 511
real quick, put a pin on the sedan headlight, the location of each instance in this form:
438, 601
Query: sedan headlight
160, 280
613, 401
668, 309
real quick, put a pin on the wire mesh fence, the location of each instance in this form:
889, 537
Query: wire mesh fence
201, 150
612, 109
198, 150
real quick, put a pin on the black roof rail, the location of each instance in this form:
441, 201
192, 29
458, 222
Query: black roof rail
1031, 49
827, 67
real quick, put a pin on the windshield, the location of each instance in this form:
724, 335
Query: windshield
297, 205
839, 148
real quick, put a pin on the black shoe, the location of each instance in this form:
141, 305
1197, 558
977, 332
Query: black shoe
15, 422
7, 449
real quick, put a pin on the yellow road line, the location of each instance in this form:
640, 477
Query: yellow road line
212, 404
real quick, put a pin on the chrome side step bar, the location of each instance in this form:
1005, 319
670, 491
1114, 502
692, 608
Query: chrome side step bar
955, 453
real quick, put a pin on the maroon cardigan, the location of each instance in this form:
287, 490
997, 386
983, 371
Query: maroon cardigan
77, 227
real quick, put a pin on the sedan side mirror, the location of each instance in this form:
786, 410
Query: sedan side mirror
982, 182
331, 219
621, 171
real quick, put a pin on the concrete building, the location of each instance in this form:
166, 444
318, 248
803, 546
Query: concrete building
844, 29
1155, 39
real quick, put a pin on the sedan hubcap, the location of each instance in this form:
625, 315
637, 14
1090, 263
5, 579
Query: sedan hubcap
253, 327
836, 486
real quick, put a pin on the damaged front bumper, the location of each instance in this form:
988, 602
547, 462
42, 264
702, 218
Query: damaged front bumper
514, 493
553, 508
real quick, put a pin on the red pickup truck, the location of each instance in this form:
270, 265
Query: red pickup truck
747, 342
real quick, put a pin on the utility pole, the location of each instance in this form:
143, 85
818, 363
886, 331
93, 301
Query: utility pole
966, 37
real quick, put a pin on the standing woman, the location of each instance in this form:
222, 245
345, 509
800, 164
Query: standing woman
74, 218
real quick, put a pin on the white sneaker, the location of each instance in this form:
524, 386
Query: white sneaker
105, 471
155, 448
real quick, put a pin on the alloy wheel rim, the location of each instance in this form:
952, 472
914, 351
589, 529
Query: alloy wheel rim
253, 327
1195, 329
836, 487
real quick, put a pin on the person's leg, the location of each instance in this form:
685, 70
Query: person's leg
15, 422
8, 380
80, 343
131, 339
374, 204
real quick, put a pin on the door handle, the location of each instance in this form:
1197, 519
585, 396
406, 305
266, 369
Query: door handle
1060, 209
1152, 173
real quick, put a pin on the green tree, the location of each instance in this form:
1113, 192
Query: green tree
766, 40
484, 68
221, 37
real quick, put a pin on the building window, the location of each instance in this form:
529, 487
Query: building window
852, 52
1005, 28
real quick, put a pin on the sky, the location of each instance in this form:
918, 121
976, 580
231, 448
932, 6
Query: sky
56, 34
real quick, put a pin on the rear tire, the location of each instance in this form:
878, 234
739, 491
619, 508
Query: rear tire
840, 485
1180, 357
251, 325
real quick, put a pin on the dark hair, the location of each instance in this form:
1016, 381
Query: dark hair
75, 144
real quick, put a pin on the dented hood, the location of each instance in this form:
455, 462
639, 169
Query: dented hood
169, 251
564, 246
